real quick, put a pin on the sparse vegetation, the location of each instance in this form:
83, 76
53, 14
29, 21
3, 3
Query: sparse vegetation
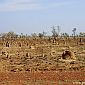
37, 54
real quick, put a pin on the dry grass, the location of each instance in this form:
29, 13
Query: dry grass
39, 62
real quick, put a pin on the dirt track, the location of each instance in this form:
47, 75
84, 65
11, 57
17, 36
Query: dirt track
43, 78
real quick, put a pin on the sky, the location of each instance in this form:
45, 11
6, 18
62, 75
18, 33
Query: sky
36, 16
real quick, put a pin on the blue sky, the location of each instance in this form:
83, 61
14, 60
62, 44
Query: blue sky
34, 16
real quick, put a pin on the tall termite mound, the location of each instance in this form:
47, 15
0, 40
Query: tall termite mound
67, 55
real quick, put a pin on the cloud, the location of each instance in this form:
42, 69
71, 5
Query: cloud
22, 5
15, 5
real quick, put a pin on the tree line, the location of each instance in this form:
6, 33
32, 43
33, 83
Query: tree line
55, 34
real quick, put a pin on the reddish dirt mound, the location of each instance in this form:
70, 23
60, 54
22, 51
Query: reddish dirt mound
43, 78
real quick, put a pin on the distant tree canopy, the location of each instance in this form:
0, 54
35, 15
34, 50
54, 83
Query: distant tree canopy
82, 34
74, 32
9, 35
65, 35
54, 32
40, 35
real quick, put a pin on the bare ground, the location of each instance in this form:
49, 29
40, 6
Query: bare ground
43, 78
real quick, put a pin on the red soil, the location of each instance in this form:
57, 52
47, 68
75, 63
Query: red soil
43, 78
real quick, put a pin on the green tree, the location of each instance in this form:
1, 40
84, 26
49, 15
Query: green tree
74, 32
65, 35
41, 35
